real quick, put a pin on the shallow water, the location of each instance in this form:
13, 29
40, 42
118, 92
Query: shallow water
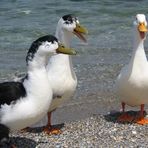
97, 64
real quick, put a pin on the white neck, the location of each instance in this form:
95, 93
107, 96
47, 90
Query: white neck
37, 84
63, 36
62, 59
138, 55
38, 62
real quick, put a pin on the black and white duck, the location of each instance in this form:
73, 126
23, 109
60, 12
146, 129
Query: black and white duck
25, 103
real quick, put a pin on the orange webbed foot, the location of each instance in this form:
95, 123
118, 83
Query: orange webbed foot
52, 131
141, 120
125, 117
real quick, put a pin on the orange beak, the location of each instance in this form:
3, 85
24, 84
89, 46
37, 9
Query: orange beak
142, 30
142, 27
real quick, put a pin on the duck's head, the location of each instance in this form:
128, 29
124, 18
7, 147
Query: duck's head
141, 25
71, 25
47, 45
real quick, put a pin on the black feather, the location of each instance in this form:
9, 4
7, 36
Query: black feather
11, 92
69, 18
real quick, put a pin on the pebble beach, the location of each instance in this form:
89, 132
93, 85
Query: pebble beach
94, 132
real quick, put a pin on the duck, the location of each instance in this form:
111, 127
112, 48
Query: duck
132, 82
60, 70
34, 93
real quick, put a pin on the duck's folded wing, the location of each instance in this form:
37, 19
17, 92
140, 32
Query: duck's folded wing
11, 91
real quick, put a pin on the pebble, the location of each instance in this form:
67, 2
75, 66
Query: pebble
134, 132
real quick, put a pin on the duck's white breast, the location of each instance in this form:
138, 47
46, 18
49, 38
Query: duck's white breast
62, 79
132, 85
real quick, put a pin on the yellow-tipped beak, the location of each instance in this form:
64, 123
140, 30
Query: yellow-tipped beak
79, 30
142, 27
64, 50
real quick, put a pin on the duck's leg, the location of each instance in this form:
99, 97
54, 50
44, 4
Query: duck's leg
124, 117
140, 117
49, 129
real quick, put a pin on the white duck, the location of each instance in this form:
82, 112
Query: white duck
25, 103
60, 71
132, 83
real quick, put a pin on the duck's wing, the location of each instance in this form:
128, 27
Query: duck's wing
11, 91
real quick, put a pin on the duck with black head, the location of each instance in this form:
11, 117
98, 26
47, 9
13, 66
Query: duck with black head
24, 103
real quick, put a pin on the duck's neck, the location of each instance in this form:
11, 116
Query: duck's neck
36, 84
138, 55
38, 62
63, 36
62, 59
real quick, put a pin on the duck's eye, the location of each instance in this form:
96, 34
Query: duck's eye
67, 22
47, 45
